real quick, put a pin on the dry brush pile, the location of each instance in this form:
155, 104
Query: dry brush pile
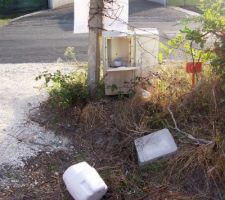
105, 129
103, 132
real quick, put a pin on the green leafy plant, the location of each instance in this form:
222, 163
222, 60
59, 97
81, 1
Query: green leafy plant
4, 3
66, 90
192, 42
205, 41
219, 61
212, 27
70, 54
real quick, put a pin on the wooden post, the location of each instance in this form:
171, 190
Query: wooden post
95, 27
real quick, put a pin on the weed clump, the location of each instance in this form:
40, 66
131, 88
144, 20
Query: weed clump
67, 90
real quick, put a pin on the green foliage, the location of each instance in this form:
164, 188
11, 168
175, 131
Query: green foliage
171, 84
172, 45
120, 93
154, 167
52, 167
70, 55
219, 60
205, 41
66, 90
4, 3
213, 22
192, 42
212, 19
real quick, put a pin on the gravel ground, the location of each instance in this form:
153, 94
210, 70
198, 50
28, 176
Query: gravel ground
20, 93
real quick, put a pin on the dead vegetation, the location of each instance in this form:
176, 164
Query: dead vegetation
103, 133
198, 167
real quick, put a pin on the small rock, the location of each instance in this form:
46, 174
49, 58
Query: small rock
59, 60
57, 173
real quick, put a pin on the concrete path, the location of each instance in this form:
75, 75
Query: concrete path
44, 37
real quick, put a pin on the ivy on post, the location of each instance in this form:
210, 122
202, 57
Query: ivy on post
95, 25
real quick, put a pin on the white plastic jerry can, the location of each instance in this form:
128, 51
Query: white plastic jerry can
84, 183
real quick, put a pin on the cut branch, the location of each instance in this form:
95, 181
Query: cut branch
187, 135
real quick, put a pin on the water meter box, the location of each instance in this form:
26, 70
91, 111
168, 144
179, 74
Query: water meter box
84, 183
126, 55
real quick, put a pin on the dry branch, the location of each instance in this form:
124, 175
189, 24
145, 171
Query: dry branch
187, 135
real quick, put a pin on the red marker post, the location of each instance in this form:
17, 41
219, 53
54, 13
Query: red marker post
194, 68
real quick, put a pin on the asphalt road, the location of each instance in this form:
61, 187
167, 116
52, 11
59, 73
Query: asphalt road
44, 37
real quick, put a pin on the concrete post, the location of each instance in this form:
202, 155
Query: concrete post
95, 28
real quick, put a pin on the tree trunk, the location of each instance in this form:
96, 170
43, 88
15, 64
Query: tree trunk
95, 28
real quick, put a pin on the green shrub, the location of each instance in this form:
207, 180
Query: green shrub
66, 90
204, 42
4, 3
70, 55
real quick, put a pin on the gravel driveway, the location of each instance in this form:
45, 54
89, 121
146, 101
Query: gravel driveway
44, 37
19, 137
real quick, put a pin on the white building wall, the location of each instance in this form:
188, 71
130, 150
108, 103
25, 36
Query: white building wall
163, 2
58, 3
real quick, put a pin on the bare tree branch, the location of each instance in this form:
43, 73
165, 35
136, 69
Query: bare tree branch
187, 135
